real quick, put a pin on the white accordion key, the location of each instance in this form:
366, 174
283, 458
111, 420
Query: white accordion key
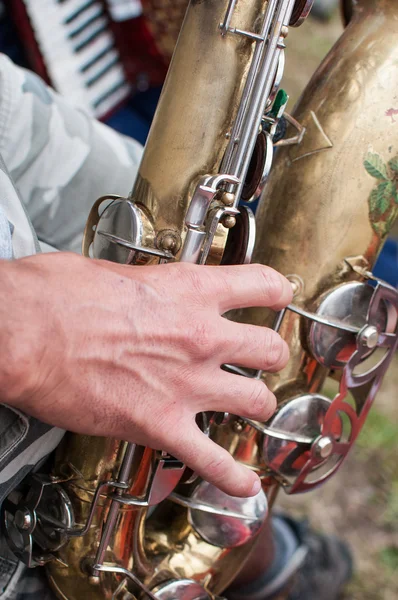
121, 10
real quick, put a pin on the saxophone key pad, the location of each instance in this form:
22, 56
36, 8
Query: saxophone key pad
118, 230
303, 415
348, 304
233, 522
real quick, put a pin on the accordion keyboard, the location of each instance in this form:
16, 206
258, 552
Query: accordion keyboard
78, 48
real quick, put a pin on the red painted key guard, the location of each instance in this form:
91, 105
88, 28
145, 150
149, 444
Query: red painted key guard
350, 381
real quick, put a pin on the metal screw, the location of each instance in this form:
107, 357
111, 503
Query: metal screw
369, 337
284, 31
228, 198
297, 284
229, 221
323, 447
23, 519
168, 242
237, 426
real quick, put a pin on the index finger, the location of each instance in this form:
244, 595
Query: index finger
226, 287
244, 286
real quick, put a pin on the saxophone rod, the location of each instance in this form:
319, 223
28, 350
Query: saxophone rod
114, 508
250, 81
243, 137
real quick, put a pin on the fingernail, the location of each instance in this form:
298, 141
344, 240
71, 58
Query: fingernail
256, 487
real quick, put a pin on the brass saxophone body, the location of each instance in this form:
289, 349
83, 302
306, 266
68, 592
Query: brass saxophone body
127, 523
328, 206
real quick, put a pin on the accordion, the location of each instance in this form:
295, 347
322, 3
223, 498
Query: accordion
97, 52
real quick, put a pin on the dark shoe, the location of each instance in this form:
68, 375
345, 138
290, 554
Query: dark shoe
307, 566
327, 567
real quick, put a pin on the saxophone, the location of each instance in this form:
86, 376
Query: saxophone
122, 522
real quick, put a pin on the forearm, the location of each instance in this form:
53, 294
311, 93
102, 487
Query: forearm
19, 342
24, 440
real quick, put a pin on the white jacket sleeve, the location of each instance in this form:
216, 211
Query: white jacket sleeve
60, 159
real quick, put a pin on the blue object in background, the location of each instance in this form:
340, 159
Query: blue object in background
9, 42
135, 118
386, 266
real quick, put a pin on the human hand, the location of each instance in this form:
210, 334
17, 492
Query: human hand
135, 353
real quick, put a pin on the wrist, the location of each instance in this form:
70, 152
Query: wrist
18, 342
